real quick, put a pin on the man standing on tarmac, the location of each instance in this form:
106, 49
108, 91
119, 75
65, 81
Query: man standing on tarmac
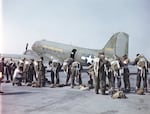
126, 72
116, 65
69, 62
31, 71
142, 70
2, 64
41, 73
100, 77
55, 65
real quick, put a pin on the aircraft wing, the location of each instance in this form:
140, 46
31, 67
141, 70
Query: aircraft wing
29, 54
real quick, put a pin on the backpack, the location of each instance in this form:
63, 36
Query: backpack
75, 64
96, 65
142, 62
115, 65
55, 63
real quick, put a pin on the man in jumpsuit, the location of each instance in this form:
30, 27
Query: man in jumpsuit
100, 77
142, 70
41, 73
126, 72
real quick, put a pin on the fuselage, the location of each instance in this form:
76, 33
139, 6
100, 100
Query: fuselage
52, 50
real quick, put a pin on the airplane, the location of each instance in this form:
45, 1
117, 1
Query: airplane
117, 45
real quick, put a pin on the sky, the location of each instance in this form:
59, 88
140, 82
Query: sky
85, 23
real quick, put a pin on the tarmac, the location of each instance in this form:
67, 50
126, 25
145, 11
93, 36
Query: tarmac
67, 100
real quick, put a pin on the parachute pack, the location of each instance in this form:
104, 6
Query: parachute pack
55, 63
142, 62
96, 65
76, 64
115, 65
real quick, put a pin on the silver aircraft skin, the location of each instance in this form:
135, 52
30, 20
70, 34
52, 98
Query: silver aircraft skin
117, 45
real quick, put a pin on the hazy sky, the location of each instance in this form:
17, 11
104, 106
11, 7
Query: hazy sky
85, 23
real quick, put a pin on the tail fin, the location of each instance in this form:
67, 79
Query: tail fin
117, 45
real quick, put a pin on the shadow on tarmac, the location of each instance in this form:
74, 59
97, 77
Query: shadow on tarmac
17, 93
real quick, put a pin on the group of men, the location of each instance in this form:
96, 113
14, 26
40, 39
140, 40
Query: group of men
23, 71
101, 69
